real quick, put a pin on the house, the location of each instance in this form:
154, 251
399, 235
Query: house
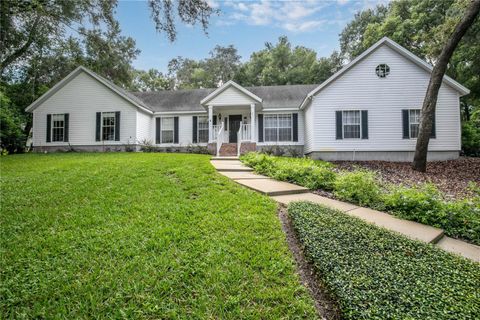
369, 110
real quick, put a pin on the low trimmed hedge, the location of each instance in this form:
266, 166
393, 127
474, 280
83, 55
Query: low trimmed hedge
424, 204
377, 274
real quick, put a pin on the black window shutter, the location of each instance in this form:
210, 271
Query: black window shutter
364, 124
405, 124
98, 126
338, 123
434, 129
66, 127
214, 120
194, 129
157, 130
260, 128
49, 127
295, 126
175, 129
117, 126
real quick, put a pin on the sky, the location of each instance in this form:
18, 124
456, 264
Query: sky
247, 25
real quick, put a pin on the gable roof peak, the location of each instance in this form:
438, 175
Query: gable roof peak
397, 48
72, 75
228, 84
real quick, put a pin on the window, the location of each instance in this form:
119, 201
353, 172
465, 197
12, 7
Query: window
382, 70
277, 127
351, 124
167, 127
414, 122
58, 127
108, 126
202, 128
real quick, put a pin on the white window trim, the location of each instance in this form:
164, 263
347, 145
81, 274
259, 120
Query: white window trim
114, 126
162, 130
198, 129
343, 125
277, 127
52, 127
410, 124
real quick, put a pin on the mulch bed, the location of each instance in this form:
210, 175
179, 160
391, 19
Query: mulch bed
452, 177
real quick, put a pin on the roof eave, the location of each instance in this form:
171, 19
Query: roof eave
70, 77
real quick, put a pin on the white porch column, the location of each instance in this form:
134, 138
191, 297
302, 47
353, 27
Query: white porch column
210, 124
252, 122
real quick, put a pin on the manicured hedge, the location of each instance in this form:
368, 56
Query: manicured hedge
424, 204
377, 274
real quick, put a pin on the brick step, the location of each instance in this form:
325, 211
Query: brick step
228, 150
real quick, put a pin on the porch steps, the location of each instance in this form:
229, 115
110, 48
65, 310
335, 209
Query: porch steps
225, 158
228, 150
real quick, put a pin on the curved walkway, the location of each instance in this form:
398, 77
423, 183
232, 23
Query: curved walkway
284, 193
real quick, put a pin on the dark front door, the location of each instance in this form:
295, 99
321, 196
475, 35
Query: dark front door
233, 126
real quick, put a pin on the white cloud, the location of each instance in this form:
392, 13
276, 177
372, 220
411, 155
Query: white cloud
303, 26
289, 15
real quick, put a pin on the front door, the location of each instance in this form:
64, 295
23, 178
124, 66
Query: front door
233, 126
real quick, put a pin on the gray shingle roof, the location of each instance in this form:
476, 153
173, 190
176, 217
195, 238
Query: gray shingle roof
287, 96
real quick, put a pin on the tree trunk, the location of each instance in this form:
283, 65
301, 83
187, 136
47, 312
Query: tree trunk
430, 101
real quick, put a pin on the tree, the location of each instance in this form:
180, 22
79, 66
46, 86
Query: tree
430, 101
281, 64
151, 80
352, 36
221, 66
30, 26
164, 13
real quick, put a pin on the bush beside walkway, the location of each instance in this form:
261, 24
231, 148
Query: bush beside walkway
423, 203
377, 274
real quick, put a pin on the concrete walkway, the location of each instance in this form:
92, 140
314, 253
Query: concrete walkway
284, 193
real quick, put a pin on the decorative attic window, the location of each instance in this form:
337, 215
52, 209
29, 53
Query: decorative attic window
382, 70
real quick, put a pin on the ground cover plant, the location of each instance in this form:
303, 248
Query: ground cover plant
377, 274
137, 235
424, 203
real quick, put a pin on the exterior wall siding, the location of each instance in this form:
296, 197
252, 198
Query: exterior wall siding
231, 96
82, 97
144, 126
384, 98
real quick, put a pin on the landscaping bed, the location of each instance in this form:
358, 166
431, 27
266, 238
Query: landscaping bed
421, 202
451, 177
377, 274
141, 236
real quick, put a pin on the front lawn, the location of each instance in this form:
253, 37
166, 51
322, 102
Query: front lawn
132, 235
378, 274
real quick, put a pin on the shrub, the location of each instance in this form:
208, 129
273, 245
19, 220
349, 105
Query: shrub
420, 203
425, 204
360, 187
302, 171
377, 274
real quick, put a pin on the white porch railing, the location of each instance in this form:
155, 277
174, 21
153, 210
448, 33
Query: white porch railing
216, 130
245, 132
218, 136
239, 139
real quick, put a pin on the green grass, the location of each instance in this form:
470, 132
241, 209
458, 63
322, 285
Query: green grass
377, 274
133, 235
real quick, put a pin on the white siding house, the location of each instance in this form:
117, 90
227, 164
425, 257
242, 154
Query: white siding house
370, 109
359, 88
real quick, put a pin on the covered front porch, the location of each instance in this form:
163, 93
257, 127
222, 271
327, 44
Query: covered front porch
232, 114
231, 129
